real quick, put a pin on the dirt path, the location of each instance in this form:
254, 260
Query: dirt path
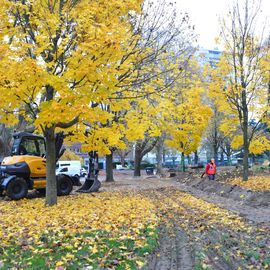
200, 235
259, 215
202, 230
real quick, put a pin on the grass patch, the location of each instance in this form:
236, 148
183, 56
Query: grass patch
98, 249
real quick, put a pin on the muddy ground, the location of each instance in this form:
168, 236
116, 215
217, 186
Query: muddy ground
204, 224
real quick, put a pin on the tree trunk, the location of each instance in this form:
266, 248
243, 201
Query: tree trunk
196, 157
216, 154
159, 153
141, 149
137, 161
189, 160
229, 159
5, 141
183, 167
51, 185
246, 154
123, 159
222, 158
245, 136
164, 155
109, 168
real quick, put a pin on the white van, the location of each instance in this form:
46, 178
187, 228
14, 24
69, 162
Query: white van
69, 167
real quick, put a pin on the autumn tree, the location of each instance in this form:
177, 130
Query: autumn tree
171, 46
189, 121
237, 82
188, 117
157, 37
213, 136
60, 59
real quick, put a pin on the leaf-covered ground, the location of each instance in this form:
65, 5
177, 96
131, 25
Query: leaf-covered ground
259, 183
137, 224
104, 231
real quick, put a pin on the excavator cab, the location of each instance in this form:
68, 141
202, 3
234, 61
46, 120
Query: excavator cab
28, 144
26, 167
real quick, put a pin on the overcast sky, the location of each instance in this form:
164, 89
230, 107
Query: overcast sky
204, 15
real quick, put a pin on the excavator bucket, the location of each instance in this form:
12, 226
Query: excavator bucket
90, 185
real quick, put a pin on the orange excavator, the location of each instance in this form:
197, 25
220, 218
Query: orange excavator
26, 168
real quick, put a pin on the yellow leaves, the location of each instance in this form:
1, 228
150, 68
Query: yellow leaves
60, 263
69, 155
79, 224
94, 249
229, 125
259, 145
260, 183
74, 48
201, 214
237, 141
186, 124
140, 263
102, 138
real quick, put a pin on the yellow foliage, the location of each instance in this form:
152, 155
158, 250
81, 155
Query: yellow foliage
234, 97
72, 49
259, 145
237, 141
89, 225
69, 155
186, 122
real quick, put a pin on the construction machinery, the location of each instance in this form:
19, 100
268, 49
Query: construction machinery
26, 167
91, 184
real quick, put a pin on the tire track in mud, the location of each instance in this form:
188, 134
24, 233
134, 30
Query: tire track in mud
180, 238
185, 250
174, 251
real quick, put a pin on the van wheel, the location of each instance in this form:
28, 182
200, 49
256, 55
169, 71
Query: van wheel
64, 185
17, 189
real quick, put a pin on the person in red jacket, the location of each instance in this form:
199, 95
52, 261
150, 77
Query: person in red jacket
210, 169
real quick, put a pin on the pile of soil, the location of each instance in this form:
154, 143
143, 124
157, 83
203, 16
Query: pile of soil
237, 193
224, 176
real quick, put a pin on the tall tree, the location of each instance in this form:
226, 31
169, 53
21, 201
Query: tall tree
238, 80
189, 116
214, 137
158, 47
57, 57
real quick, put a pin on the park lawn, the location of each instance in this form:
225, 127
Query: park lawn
107, 230
257, 183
